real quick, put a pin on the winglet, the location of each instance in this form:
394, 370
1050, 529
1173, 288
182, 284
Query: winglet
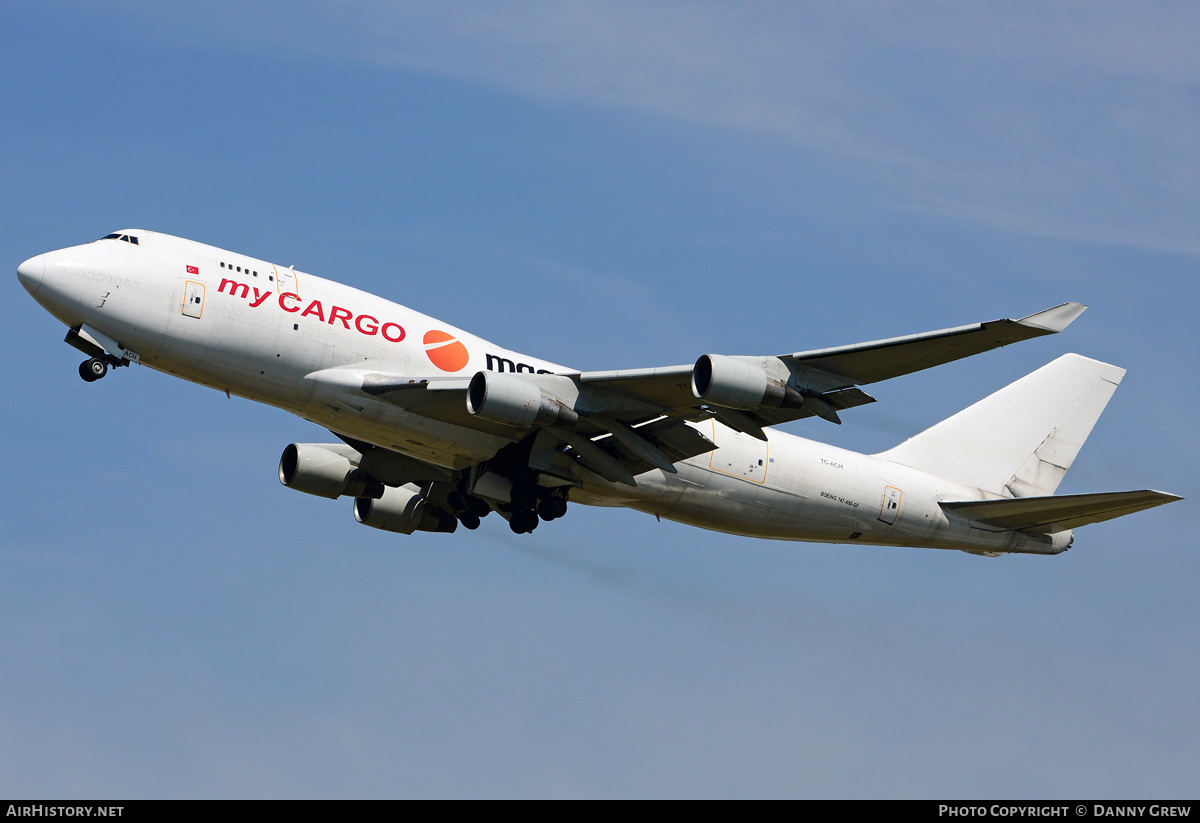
1055, 319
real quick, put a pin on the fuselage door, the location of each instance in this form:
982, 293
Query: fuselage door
285, 280
891, 504
739, 455
193, 299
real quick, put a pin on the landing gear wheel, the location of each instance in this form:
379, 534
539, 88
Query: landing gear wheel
478, 506
92, 370
523, 521
462, 503
552, 508
469, 520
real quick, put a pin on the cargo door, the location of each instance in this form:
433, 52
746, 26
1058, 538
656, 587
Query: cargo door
738, 454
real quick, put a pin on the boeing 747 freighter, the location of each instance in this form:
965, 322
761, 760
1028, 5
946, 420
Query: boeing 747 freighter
436, 427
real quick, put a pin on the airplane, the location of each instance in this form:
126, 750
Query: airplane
437, 427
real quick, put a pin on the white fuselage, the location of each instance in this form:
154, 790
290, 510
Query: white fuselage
302, 343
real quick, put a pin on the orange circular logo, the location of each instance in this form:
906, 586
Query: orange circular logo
445, 351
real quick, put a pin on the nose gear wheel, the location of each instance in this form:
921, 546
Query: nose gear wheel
92, 370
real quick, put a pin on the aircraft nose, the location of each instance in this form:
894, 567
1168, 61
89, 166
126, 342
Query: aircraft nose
30, 273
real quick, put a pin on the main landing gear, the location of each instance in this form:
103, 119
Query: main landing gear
92, 370
530, 508
468, 508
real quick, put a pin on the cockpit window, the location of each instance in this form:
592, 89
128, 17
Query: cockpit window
128, 238
111, 237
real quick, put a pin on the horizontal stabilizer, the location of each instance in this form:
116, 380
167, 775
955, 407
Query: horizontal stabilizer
1057, 513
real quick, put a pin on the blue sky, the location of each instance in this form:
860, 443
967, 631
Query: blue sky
604, 185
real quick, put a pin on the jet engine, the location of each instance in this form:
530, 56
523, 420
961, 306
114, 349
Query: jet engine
514, 401
326, 470
737, 383
402, 509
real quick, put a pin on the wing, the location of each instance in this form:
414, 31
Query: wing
567, 424
825, 380
621, 423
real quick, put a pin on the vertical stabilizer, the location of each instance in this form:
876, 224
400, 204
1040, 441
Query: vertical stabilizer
1020, 441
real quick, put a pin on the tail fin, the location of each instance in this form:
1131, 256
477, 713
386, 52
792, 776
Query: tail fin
1020, 441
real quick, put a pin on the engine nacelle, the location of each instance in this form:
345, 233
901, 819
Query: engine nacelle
513, 401
736, 383
402, 509
326, 470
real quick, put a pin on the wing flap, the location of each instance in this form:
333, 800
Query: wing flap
678, 440
675, 439
1056, 513
836, 400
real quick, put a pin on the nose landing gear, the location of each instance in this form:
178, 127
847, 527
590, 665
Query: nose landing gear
97, 346
92, 370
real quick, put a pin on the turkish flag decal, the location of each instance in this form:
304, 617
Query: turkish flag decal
193, 270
